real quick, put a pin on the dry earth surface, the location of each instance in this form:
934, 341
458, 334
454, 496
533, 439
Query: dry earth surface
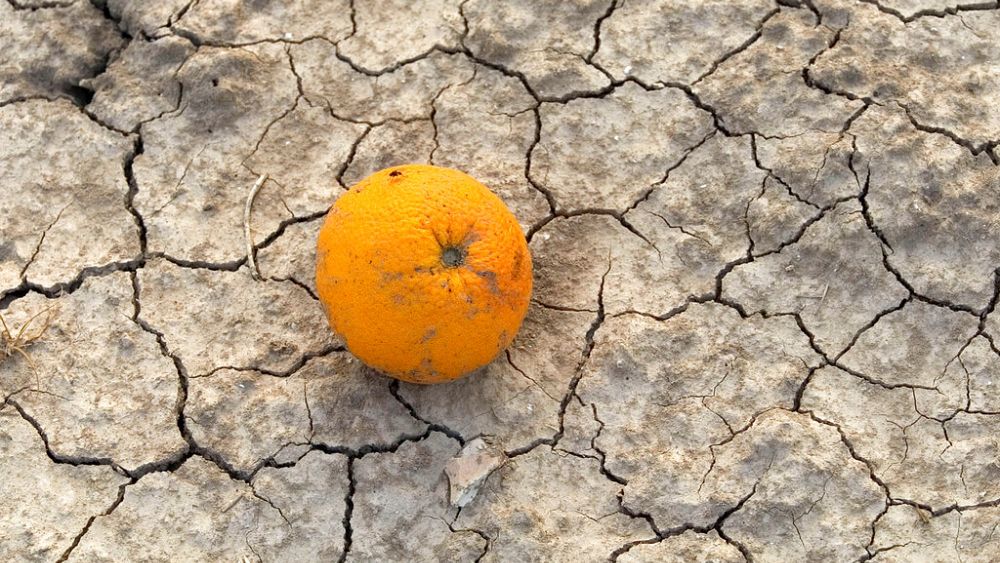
765, 322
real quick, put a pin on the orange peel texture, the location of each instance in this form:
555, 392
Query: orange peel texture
423, 272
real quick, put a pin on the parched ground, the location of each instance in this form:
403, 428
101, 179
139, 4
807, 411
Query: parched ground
766, 240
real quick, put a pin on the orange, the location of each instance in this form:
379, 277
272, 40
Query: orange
423, 272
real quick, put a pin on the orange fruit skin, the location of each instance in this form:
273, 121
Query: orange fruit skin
423, 272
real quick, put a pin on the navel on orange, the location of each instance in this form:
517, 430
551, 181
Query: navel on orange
423, 272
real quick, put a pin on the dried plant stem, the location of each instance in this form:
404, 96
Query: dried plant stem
254, 271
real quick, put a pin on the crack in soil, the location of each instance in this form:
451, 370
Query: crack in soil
81, 97
930, 12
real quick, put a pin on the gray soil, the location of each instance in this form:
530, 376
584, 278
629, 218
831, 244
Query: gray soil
766, 239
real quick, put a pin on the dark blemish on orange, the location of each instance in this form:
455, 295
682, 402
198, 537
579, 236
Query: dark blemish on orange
470, 237
391, 276
431, 333
425, 373
518, 260
491, 280
395, 173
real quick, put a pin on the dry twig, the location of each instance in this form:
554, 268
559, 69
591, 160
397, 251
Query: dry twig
11, 343
254, 272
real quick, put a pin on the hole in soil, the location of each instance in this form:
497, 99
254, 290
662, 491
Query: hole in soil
81, 96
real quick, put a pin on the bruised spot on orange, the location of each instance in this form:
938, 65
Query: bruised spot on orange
518, 259
491, 281
424, 272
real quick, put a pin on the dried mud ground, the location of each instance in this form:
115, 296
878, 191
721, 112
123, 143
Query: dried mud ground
764, 325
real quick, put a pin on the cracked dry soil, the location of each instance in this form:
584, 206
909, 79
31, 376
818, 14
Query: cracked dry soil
766, 237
